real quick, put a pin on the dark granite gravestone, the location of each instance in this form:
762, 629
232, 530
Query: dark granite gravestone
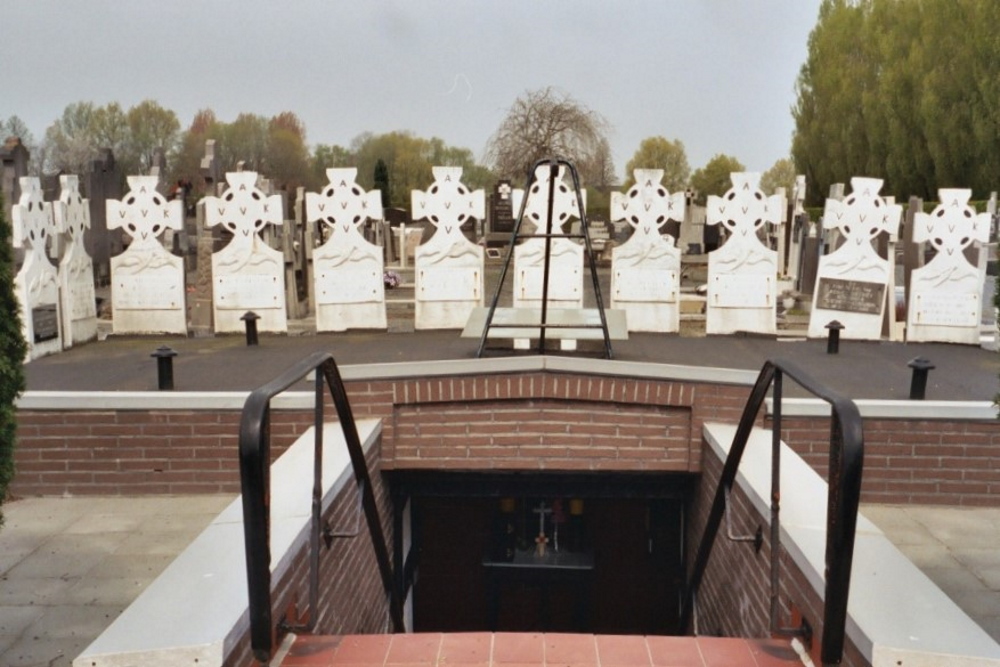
501, 211
13, 165
104, 182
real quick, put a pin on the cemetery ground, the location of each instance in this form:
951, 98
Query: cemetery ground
69, 566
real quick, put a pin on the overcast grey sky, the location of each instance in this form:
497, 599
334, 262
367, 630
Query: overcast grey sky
717, 74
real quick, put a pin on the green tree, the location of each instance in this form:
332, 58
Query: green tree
713, 178
905, 91
244, 140
548, 123
780, 175
15, 127
109, 128
185, 163
12, 352
327, 156
660, 153
69, 140
381, 181
287, 161
150, 127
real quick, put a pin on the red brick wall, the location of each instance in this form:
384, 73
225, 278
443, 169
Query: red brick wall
529, 421
136, 452
735, 596
543, 433
544, 421
351, 596
913, 462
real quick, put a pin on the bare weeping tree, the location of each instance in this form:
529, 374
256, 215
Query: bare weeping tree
549, 123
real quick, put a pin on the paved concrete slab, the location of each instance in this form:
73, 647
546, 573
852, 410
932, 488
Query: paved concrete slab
862, 370
957, 548
69, 566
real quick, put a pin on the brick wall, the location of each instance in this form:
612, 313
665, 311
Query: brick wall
545, 421
735, 595
542, 420
351, 597
913, 462
136, 452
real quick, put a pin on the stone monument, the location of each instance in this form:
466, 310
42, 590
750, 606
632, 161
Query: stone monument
448, 269
565, 288
147, 282
852, 281
247, 274
36, 284
348, 269
76, 270
946, 295
742, 274
646, 269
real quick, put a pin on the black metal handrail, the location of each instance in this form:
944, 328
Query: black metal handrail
255, 479
843, 497
554, 163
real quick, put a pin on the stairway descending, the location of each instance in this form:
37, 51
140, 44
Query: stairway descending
484, 649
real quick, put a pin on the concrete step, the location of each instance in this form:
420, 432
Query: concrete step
484, 648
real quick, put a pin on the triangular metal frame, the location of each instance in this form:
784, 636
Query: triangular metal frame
554, 164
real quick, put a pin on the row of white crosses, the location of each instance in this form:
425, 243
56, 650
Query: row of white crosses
58, 308
349, 287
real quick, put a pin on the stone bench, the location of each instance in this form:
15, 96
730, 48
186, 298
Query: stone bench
583, 323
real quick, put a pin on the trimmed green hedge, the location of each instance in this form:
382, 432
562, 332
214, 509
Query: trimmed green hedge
12, 352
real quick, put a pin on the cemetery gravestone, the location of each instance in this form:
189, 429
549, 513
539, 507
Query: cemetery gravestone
36, 284
565, 288
348, 269
646, 269
13, 167
852, 281
147, 282
945, 298
76, 270
103, 184
797, 229
247, 274
503, 211
742, 274
448, 268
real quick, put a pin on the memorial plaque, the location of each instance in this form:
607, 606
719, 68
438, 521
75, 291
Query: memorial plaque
82, 301
348, 286
742, 291
248, 291
44, 322
850, 296
449, 284
564, 283
645, 285
947, 310
147, 292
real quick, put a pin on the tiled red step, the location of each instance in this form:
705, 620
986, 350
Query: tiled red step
483, 649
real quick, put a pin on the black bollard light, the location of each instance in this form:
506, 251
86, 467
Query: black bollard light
833, 339
918, 383
164, 367
251, 318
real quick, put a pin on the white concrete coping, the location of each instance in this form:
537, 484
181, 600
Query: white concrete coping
234, 400
888, 409
196, 610
894, 610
